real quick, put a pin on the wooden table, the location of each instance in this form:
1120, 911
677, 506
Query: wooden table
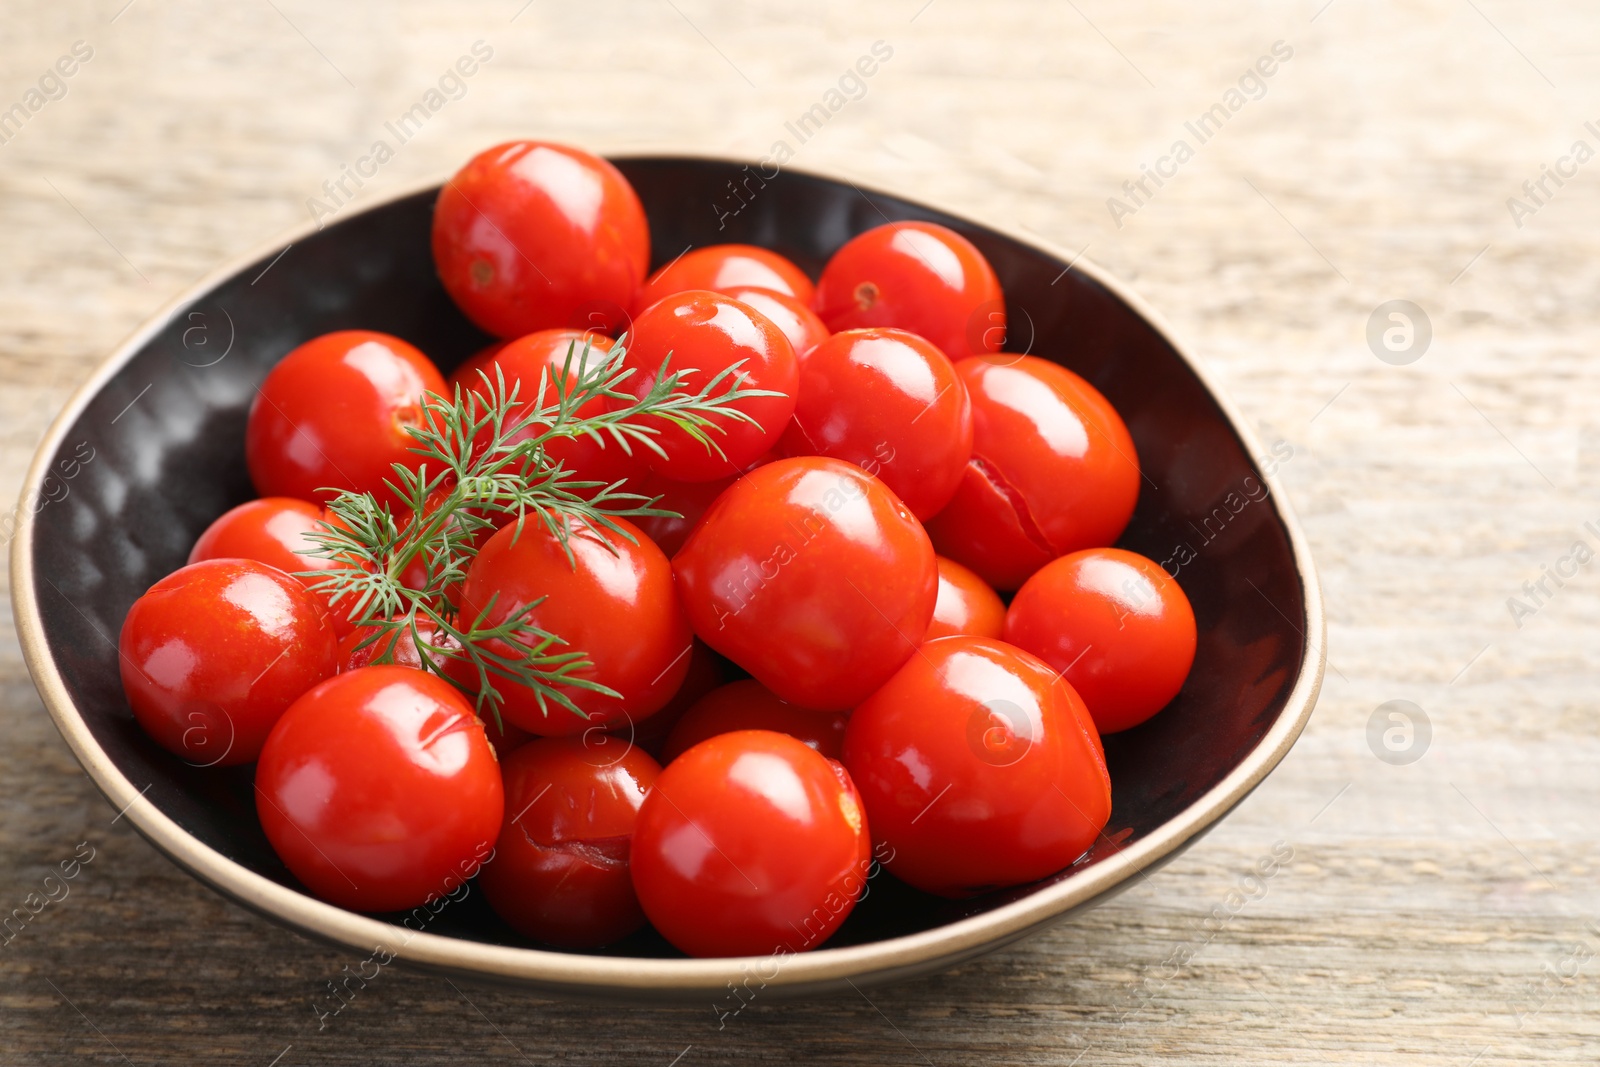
1438, 912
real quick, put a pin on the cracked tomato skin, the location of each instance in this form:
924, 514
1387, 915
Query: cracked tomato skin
811, 575
978, 767
214, 653
1053, 470
706, 333
615, 602
723, 269
560, 870
531, 236
1116, 624
749, 705
333, 414
545, 352
965, 605
750, 844
916, 276
891, 403
379, 790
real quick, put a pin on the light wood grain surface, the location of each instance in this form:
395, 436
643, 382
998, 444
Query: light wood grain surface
1442, 912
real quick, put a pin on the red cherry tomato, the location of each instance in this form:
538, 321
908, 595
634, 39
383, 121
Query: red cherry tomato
378, 789
891, 403
812, 576
749, 705
978, 767
965, 605
529, 236
1117, 626
546, 352
688, 500
333, 415
724, 268
213, 653
707, 333
271, 530
560, 869
1053, 470
916, 276
707, 671
797, 321
615, 602
750, 844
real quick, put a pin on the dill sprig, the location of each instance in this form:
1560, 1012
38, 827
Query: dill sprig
485, 464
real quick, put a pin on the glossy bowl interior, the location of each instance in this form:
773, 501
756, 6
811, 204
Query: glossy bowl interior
152, 449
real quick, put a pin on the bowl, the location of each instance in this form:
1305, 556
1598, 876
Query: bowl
151, 449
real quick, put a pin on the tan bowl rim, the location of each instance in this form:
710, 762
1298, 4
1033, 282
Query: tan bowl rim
598, 975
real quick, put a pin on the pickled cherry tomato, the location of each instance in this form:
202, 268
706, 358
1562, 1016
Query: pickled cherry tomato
750, 844
965, 605
531, 236
724, 268
749, 705
706, 333
916, 276
1117, 626
811, 575
379, 790
212, 655
333, 414
891, 403
560, 869
979, 767
1053, 470
614, 601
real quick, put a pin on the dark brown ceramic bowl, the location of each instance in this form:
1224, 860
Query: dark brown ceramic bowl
151, 449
